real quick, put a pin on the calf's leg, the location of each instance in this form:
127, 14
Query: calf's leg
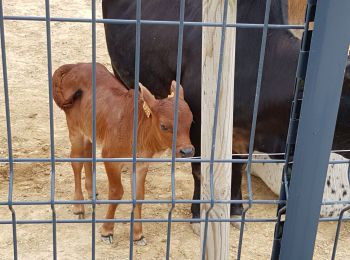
77, 152
88, 168
115, 192
141, 172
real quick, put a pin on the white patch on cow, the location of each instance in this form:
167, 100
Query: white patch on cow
336, 188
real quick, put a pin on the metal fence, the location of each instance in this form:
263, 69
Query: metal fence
306, 157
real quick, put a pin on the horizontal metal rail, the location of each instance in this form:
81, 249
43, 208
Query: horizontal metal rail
178, 201
153, 160
63, 202
151, 22
157, 220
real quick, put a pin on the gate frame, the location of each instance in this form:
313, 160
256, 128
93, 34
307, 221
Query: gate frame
328, 55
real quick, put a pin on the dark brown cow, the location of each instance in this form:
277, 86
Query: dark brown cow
114, 127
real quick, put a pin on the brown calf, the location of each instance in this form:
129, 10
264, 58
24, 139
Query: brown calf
72, 92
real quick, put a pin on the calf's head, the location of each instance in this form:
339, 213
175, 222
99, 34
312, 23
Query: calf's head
161, 112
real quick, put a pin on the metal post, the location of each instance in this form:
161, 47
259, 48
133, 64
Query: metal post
93, 139
316, 128
9, 134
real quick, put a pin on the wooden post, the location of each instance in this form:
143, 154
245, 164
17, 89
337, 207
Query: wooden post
217, 246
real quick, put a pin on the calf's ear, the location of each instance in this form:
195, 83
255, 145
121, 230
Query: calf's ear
147, 96
173, 90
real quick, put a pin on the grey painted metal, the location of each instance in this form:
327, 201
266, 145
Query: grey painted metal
93, 133
292, 130
151, 22
164, 160
257, 97
336, 239
254, 121
318, 117
153, 220
9, 134
178, 201
241, 232
295, 111
134, 137
52, 133
174, 137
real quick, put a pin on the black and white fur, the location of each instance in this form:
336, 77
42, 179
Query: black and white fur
337, 187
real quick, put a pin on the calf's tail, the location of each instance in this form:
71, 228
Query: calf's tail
64, 94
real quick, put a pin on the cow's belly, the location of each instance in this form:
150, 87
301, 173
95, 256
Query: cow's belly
337, 187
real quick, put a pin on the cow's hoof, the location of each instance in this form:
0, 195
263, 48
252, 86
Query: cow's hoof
237, 225
141, 242
196, 227
107, 239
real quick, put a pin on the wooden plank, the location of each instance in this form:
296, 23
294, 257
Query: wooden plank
217, 246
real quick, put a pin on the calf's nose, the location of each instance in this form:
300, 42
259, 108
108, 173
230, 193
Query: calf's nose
187, 152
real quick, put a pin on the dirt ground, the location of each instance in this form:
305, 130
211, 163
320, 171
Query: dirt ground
27, 77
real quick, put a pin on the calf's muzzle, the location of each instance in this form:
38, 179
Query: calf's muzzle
187, 152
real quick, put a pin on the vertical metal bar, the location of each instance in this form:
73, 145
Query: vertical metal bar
8, 127
295, 112
135, 128
255, 117
257, 99
241, 231
52, 133
93, 216
278, 234
176, 105
292, 129
317, 122
216, 111
334, 252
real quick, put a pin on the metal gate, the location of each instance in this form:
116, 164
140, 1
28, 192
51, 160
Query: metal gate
312, 123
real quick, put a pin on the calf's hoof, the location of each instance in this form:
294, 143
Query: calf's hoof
141, 242
80, 215
79, 211
196, 228
90, 196
107, 239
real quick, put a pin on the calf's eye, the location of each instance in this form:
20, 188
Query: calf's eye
163, 127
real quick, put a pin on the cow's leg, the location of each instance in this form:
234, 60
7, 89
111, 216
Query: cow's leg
195, 135
141, 172
240, 144
115, 192
236, 209
77, 151
195, 208
196, 172
88, 168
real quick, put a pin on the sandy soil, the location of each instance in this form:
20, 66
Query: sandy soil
27, 73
